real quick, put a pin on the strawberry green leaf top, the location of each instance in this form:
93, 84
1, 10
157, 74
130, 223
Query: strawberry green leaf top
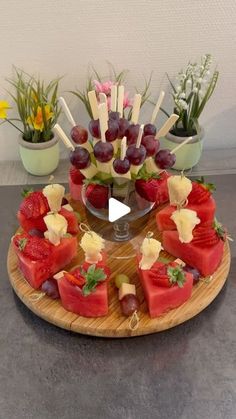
208, 186
93, 276
219, 229
26, 192
176, 275
22, 244
143, 174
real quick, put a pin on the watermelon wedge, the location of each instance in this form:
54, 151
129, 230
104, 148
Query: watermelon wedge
205, 211
73, 299
39, 259
161, 296
206, 257
38, 223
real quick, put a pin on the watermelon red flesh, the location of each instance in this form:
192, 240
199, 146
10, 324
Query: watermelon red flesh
205, 211
29, 223
94, 305
205, 259
36, 272
72, 221
75, 190
162, 299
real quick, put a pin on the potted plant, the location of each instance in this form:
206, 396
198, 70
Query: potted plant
190, 94
38, 112
103, 84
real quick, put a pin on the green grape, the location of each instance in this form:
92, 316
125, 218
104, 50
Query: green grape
120, 278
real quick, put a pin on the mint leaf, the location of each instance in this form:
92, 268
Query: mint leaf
176, 275
93, 276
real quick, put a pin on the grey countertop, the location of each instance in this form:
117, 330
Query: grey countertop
188, 372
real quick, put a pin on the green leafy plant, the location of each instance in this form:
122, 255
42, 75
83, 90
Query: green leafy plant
37, 106
191, 93
103, 84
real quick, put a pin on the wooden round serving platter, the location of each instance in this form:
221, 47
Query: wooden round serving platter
115, 324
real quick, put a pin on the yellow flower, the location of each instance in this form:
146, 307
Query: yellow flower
4, 105
37, 120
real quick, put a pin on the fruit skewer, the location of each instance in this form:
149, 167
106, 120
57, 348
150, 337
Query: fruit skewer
78, 133
136, 153
103, 150
79, 156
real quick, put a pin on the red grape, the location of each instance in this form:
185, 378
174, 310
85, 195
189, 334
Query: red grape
129, 304
149, 129
123, 126
64, 201
151, 144
114, 115
80, 158
121, 166
136, 155
103, 151
132, 133
94, 128
194, 272
50, 288
35, 232
164, 159
112, 132
79, 134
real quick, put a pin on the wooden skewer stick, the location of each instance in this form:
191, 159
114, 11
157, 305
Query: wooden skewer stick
123, 147
167, 125
157, 107
67, 111
140, 135
136, 108
59, 131
113, 97
120, 105
181, 145
103, 98
103, 116
93, 103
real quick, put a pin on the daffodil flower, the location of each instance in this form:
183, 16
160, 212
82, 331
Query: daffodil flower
4, 106
37, 120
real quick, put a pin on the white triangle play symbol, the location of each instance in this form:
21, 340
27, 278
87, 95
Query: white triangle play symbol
116, 210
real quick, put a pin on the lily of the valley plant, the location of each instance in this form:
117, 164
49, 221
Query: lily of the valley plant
103, 84
192, 91
36, 104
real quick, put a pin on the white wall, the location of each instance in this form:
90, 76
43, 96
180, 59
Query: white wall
56, 37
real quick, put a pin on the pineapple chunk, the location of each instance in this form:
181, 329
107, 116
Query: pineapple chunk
90, 171
54, 194
126, 289
57, 228
135, 169
185, 220
179, 187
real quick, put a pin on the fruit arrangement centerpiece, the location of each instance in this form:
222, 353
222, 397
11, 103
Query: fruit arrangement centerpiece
182, 251
123, 158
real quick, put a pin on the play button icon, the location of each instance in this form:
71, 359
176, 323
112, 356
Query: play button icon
117, 209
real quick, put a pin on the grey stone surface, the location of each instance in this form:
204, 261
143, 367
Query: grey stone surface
188, 372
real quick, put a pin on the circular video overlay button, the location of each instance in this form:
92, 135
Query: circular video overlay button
116, 210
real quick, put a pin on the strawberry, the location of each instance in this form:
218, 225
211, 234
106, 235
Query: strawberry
34, 205
76, 176
168, 275
33, 247
97, 195
153, 189
201, 191
75, 278
207, 236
